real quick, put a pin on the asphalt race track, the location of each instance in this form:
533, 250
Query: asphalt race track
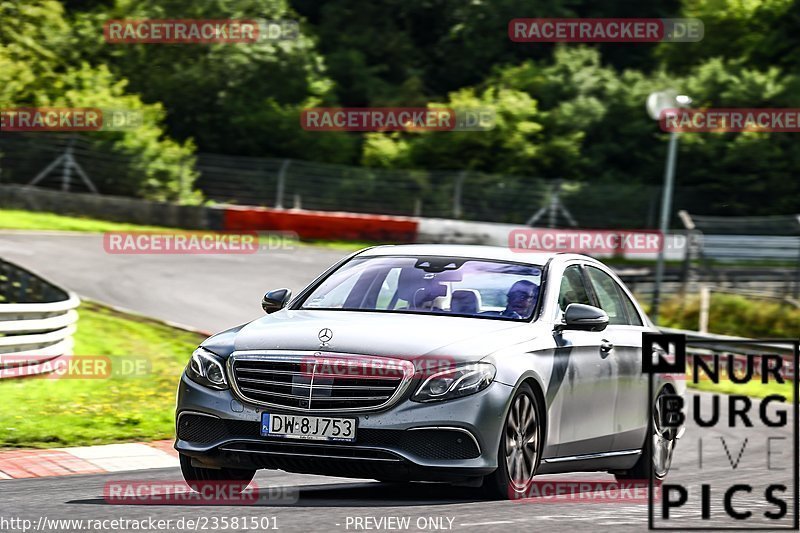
209, 292
305, 503
213, 292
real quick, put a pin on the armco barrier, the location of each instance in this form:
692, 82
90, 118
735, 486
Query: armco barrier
322, 224
722, 343
446, 231
37, 320
307, 224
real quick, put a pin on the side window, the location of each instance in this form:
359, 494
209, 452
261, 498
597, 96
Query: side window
609, 296
572, 290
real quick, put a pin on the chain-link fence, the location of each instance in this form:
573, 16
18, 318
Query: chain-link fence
293, 183
71, 162
76, 163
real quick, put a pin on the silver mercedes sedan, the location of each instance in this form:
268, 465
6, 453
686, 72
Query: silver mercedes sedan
471, 365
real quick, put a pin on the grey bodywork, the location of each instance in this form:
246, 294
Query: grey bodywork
596, 402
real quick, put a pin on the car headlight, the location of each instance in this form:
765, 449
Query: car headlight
462, 380
206, 369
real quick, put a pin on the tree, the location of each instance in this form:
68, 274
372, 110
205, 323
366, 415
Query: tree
34, 72
239, 99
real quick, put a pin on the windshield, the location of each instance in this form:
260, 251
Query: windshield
431, 285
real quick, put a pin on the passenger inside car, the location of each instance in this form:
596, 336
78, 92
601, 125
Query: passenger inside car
465, 302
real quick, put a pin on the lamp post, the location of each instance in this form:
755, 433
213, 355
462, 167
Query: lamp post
657, 103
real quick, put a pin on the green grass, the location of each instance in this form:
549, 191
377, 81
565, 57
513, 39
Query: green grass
754, 389
345, 246
31, 220
36, 221
732, 314
47, 413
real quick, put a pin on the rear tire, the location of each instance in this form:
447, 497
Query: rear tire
197, 477
520, 448
656, 456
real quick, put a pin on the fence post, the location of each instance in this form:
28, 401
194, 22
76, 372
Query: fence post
689, 252
281, 183
705, 303
553, 208
181, 181
457, 190
66, 172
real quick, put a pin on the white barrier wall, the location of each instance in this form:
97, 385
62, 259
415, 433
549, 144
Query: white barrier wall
441, 230
37, 321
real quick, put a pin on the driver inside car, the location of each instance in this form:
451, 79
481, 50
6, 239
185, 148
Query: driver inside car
521, 300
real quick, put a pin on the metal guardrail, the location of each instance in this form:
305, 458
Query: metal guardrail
37, 321
751, 247
740, 347
772, 282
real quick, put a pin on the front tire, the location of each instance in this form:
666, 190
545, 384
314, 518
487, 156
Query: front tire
520, 448
197, 477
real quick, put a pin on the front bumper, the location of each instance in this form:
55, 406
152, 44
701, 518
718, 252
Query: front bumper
449, 440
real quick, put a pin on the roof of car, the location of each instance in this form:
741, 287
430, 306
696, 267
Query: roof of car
501, 253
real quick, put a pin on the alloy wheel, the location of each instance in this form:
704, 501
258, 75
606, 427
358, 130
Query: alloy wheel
522, 442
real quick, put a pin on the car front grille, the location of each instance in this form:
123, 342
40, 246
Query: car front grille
319, 382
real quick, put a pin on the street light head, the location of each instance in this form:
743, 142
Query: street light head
659, 101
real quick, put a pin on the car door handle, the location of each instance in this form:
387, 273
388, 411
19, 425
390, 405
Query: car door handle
606, 346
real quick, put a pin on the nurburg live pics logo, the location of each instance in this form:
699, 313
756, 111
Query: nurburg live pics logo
764, 498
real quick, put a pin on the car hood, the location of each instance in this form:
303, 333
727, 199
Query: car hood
404, 336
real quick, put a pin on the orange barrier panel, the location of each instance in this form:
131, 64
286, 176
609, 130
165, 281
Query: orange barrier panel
322, 224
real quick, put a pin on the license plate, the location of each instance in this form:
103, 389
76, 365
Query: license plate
308, 427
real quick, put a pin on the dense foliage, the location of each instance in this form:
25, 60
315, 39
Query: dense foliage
566, 111
39, 66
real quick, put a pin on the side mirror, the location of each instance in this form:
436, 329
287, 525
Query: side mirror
275, 300
584, 317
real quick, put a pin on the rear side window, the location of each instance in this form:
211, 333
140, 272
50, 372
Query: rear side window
612, 299
633, 315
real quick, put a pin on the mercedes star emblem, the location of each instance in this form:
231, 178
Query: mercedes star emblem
325, 335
